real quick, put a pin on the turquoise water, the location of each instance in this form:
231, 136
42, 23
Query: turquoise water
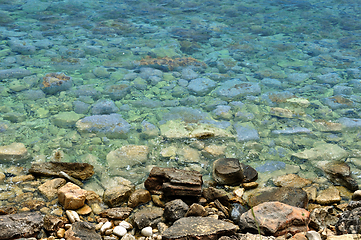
188, 81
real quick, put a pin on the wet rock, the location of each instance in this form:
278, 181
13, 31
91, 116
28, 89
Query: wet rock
129, 155
287, 195
115, 196
71, 196
104, 107
356, 196
112, 126
328, 196
53, 223
82, 231
271, 166
138, 197
174, 182
201, 228
147, 217
291, 180
274, 218
101, 72
56, 82
331, 78
322, 152
321, 218
175, 210
235, 89
196, 210
116, 213
149, 130
18, 46
50, 188
227, 171
339, 173
51, 169
14, 73
117, 91
249, 173
212, 194
294, 130
26, 224
13, 152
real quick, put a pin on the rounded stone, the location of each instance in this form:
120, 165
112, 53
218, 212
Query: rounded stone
227, 171
119, 231
175, 210
147, 231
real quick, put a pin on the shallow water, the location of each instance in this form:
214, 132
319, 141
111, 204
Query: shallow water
171, 64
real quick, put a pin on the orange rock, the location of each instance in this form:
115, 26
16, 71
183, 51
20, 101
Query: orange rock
71, 196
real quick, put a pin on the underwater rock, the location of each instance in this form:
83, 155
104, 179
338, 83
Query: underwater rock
112, 126
246, 132
201, 86
21, 46
235, 89
127, 156
294, 130
117, 91
352, 123
56, 82
77, 170
104, 106
322, 152
14, 73
330, 78
13, 152
66, 119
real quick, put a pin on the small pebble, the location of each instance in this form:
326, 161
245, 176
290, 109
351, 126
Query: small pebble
147, 231
125, 225
105, 226
119, 231
73, 216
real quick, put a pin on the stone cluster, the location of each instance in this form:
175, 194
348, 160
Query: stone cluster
176, 204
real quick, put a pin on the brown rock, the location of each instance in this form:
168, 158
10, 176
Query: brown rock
196, 210
50, 188
250, 185
200, 228
26, 224
51, 169
138, 197
249, 173
82, 231
129, 155
274, 218
328, 196
116, 213
291, 196
147, 217
85, 210
291, 180
13, 152
227, 171
71, 196
114, 197
212, 194
21, 178
2, 177
174, 182
53, 223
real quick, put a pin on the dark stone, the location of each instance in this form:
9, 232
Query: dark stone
26, 224
340, 174
174, 182
212, 194
175, 210
349, 222
4, 210
200, 228
116, 196
292, 196
249, 173
51, 169
52, 223
227, 171
116, 213
82, 230
148, 217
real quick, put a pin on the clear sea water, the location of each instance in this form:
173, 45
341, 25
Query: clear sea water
300, 59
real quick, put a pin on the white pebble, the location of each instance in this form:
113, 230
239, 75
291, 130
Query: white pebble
73, 216
125, 225
147, 231
106, 226
119, 231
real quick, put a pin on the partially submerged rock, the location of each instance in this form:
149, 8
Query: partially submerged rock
201, 228
51, 169
227, 171
13, 152
174, 182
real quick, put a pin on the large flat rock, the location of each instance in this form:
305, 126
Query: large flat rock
200, 228
76, 170
26, 224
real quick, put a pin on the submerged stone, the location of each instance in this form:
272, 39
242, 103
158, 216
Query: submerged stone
56, 82
112, 126
322, 152
235, 89
13, 152
14, 73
